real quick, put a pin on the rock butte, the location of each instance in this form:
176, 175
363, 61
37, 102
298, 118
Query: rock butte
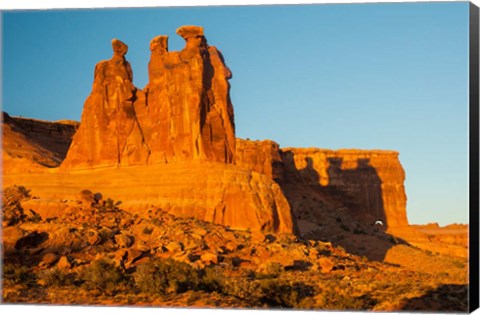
172, 145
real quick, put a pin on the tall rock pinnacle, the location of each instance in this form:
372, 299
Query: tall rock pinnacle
109, 133
184, 113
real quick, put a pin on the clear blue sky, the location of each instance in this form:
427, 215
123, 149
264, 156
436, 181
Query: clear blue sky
368, 76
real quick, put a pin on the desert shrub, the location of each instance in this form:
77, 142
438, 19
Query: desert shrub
212, 279
332, 300
276, 293
17, 274
162, 276
270, 270
56, 277
243, 288
147, 230
458, 263
34, 217
103, 275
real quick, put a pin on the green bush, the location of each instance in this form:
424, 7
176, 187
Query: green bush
212, 279
276, 293
270, 270
162, 276
147, 230
333, 300
17, 274
56, 277
103, 275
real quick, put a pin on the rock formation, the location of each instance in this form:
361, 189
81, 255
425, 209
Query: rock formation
34, 145
172, 145
109, 133
260, 156
178, 133
370, 181
184, 113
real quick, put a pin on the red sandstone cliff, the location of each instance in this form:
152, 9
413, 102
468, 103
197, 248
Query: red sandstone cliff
260, 156
181, 127
368, 183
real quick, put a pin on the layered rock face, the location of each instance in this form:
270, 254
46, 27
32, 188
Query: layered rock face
109, 132
214, 192
260, 156
184, 113
174, 140
370, 181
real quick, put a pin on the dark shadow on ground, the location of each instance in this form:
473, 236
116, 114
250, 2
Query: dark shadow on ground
446, 298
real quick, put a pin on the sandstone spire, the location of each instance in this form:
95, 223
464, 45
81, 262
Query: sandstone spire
109, 133
187, 113
184, 113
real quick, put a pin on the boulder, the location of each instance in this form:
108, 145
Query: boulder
124, 240
93, 238
65, 262
208, 258
326, 264
49, 259
174, 247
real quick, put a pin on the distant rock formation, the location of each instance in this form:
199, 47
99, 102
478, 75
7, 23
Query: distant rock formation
30, 145
184, 113
370, 181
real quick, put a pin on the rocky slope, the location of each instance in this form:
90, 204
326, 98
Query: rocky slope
95, 253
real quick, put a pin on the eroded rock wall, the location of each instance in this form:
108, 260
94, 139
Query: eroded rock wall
109, 132
34, 145
179, 135
371, 182
262, 156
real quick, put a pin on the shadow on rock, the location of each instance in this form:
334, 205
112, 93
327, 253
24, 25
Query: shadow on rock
348, 211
